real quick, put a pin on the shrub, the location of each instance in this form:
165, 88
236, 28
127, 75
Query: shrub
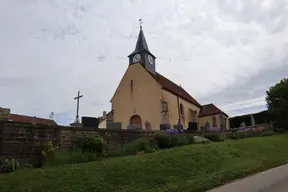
163, 140
201, 140
8, 165
216, 137
72, 156
190, 138
173, 140
48, 151
241, 135
139, 145
92, 143
248, 134
267, 133
279, 130
178, 140
153, 143
145, 145
233, 136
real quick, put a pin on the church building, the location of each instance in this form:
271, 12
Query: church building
148, 99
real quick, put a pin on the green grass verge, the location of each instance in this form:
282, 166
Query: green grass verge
188, 168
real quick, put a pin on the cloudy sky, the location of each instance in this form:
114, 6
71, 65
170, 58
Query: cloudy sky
221, 51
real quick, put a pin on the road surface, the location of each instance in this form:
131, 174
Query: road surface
273, 180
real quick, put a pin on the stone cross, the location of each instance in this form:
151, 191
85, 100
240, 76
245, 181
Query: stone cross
77, 113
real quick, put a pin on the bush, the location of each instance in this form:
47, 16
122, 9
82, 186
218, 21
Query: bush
139, 145
233, 136
215, 137
8, 165
146, 145
163, 140
267, 133
153, 143
190, 138
92, 143
172, 140
249, 134
279, 130
48, 152
65, 156
241, 135
178, 140
201, 140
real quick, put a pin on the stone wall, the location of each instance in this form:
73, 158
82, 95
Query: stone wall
4, 114
24, 140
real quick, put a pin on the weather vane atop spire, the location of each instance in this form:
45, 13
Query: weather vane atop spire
140, 22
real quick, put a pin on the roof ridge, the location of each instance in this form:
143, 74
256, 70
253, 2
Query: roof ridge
210, 109
174, 88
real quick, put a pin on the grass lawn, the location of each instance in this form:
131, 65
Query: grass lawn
186, 169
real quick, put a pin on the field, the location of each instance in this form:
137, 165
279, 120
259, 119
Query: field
188, 168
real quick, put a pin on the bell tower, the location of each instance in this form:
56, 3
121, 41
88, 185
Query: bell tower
141, 54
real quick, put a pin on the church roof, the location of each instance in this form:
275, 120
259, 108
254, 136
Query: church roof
210, 109
174, 88
141, 44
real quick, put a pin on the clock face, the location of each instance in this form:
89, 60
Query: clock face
136, 58
150, 59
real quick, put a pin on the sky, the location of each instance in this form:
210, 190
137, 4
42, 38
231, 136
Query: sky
226, 52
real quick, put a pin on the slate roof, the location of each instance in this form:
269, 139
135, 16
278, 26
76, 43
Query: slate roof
174, 88
210, 109
141, 44
29, 119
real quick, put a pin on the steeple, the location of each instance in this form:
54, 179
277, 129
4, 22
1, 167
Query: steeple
141, 44
142, 54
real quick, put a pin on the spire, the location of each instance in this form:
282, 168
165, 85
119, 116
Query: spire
141, 54
141, 44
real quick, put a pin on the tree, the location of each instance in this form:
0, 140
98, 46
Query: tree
277, 103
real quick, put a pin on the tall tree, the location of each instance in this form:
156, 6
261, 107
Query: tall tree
277, 101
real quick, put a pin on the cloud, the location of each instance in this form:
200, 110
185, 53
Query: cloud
249, 92
225, 52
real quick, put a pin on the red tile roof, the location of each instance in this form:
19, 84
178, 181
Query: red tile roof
29, 119
174, 88
210, 109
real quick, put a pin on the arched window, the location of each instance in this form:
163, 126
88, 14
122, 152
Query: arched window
181, 109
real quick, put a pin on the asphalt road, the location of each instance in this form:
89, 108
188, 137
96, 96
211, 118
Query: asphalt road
273, 180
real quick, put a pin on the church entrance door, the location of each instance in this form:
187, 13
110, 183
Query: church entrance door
136, 120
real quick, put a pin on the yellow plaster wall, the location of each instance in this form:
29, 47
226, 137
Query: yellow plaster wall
143, 101
204, 119
173, 108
